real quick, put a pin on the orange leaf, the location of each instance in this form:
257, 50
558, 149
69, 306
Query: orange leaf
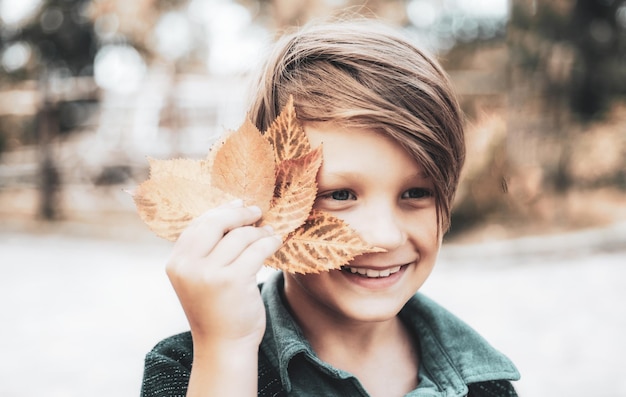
167, 203
244, 167
287, 135
294, 193
184, 168
242, 164
323, 243
216, 146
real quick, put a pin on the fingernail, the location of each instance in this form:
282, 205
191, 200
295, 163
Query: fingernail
255, 209
236, 203
269, 228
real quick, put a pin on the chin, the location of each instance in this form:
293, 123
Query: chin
375, 310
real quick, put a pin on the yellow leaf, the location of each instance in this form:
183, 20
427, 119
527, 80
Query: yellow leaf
184, 168
287, 135
242, 164
323, 243
215, 148
294, 193
244, 167
167, 203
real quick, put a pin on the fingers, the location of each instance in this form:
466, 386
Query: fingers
203, 233
252, 258
220, 238
241, 239
213, 270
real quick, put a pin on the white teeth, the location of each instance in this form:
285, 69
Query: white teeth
373, 273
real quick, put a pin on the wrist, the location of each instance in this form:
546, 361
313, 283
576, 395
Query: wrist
207, 341
224, 367
229, 351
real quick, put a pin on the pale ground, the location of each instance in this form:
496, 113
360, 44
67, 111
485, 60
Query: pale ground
80, 312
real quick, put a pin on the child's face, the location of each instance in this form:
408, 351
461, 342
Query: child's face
368, 180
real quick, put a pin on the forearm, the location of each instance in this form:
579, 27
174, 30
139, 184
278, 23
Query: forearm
213, 270
224, 369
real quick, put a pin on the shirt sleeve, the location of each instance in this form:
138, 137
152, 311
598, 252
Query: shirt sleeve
167, 368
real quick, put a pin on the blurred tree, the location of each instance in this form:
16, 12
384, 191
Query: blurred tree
599, 34
63, 46
130, 22
572, 50
62, 36
281, 14
567, 66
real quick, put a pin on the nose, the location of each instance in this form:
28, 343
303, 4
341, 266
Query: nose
383, 228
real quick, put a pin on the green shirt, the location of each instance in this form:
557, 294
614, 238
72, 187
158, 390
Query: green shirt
452, 356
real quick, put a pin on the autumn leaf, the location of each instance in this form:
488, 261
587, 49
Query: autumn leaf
216, 147
322, 243
182, 168
244, 167
287, 135
180, 190
294, 193
276, 171
168, 202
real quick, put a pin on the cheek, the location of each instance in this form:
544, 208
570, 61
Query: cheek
304, 283
424, 229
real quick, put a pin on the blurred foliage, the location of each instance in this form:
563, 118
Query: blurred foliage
560, 129
62, 45
572, 49
545, 95
61, 38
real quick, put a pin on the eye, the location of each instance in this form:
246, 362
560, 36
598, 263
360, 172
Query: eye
341, 195
417, 193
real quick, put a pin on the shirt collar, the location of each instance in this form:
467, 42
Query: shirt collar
283, 338
452, 354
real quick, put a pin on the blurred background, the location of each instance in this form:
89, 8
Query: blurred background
89, 89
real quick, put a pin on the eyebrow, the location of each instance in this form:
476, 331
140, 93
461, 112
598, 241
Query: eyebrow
420, 175
347, 175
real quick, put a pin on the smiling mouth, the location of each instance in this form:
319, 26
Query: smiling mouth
371, 273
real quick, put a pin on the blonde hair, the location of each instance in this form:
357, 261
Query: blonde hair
363, 74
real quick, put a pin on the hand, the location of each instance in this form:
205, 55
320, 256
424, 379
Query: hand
213, 270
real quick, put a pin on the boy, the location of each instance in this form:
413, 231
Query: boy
393, 148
